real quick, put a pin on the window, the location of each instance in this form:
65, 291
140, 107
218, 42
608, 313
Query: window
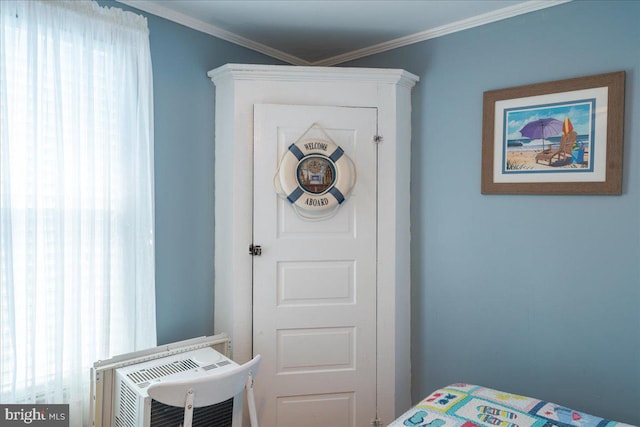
77, 281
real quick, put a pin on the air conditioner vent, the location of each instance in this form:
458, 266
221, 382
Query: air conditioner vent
216, 365
127, 413
219, 415
144, 375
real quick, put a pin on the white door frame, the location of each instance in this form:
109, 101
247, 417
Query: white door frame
238, 88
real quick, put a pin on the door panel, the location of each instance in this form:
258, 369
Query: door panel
316, 283
314, 286
312, 410
304, 350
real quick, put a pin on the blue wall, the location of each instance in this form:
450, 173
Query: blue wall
184, 157
184, 184
537, 295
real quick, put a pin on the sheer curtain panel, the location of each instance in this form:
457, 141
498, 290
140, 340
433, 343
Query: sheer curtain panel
76, 196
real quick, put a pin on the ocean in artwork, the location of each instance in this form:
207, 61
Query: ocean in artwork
521, 144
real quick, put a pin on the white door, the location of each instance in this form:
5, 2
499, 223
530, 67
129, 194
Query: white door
314, 286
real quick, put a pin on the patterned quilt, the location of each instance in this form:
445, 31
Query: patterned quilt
466, 405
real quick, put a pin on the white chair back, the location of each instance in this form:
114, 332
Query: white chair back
208, 390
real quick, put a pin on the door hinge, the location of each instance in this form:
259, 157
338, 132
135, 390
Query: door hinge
377, 139
376, 422
255, 250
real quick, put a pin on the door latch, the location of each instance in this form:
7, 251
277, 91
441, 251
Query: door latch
255, 250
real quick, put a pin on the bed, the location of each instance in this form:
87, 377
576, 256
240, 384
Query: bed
467, 405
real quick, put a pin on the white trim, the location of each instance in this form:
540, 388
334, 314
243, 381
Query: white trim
313, 74
454, 27
196, 24
443, 30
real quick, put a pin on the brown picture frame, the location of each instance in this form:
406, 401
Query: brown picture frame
543, 165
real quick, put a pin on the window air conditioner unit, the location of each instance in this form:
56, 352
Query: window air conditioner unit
119, 385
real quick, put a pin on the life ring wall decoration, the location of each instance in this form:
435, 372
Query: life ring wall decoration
316, 176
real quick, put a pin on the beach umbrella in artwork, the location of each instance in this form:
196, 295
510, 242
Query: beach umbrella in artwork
567, 126
541, 129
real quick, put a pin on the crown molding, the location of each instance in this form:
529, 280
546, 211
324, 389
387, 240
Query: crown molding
476, 21
196, 24
315, 74
454, 27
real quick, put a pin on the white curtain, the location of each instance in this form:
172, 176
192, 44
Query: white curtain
76, 196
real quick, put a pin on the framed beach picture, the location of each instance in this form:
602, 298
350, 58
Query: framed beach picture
561, 137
